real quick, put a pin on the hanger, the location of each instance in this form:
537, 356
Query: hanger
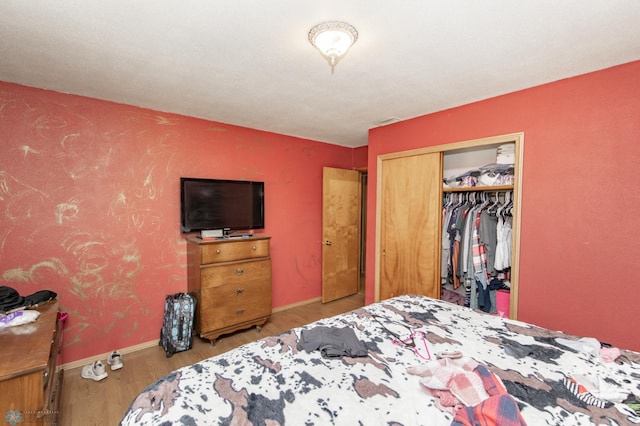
508, 205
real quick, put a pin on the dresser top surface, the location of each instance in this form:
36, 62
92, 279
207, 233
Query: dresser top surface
198, 240
26, 348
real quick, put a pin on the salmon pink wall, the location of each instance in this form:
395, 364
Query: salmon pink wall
89, 202
580, 236
360, 156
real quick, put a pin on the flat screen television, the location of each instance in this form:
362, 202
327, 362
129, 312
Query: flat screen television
208, 204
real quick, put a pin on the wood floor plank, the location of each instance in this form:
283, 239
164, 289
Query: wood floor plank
85, 402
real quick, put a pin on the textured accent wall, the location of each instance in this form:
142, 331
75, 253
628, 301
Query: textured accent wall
580, 237
89, 207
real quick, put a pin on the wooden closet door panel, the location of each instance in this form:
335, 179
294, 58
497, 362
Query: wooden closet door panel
410, 226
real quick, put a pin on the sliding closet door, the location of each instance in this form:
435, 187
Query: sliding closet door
410, 190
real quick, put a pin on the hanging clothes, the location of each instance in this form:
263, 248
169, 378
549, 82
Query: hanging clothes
503, 246
489, 237
476, 244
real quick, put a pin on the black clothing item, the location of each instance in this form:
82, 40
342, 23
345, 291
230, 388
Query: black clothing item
333, 342
11, 300
40, 297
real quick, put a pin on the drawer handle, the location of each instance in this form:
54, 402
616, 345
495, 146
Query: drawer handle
254, 248
218, 251
239, 291
240, 312
239, 271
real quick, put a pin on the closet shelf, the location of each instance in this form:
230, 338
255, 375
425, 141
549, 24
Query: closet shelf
479, 188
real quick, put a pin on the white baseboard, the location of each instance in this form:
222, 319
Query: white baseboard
103, 357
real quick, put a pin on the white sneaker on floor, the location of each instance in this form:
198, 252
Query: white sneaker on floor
95, 371
115, 360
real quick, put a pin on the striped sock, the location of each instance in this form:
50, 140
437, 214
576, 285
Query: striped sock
583, 394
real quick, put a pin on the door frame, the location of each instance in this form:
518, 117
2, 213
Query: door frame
518, 139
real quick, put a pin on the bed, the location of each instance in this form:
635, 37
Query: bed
552, 378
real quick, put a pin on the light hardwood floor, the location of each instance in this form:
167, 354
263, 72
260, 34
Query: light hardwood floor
85, 402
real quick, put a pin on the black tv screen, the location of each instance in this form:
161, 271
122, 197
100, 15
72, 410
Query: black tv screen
208, 204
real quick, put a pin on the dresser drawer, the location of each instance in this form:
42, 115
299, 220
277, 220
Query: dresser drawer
236, 273
234, 250
231, 304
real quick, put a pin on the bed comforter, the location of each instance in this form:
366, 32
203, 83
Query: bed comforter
274, 381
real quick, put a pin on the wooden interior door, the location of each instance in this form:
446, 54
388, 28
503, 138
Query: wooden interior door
340, 233
410, 191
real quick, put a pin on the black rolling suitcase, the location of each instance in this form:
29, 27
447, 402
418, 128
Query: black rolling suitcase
177, 325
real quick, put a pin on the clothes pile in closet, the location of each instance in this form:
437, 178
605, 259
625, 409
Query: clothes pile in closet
490, 175
506, 154
498, 173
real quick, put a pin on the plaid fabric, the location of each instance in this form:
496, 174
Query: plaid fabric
468, 388
499, 410
438, 376
479, 252
469, 391
492, 383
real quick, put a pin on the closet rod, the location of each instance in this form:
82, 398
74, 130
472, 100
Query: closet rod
479, 188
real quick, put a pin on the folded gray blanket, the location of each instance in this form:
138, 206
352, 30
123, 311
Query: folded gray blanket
333, 342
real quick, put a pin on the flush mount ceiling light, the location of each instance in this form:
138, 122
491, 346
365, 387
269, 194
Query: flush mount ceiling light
333, 39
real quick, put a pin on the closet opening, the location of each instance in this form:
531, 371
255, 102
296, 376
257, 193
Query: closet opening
413, 188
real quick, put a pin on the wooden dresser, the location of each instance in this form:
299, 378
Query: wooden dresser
30, 389
231, 281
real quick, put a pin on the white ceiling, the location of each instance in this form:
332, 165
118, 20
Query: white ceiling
249, 62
